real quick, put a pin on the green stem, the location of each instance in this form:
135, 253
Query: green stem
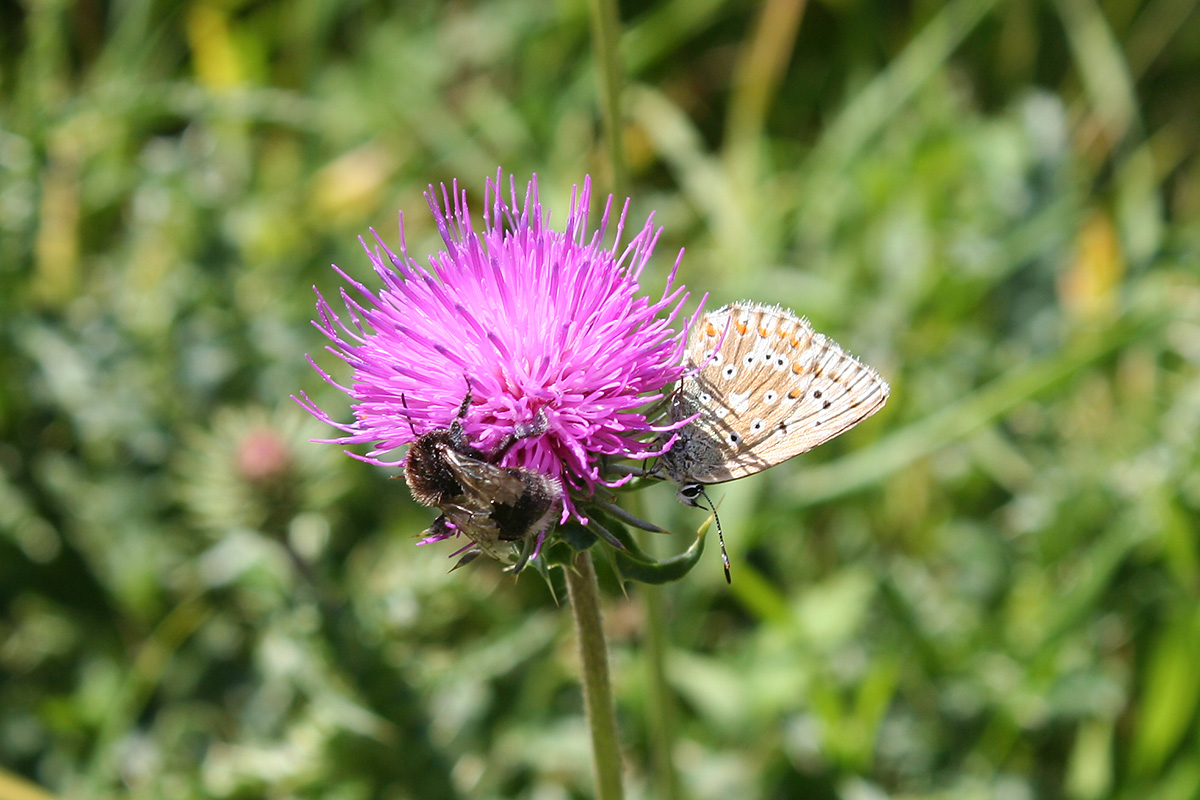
661, 705
606, 30
597, 693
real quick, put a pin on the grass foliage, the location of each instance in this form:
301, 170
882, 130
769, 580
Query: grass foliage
989, 590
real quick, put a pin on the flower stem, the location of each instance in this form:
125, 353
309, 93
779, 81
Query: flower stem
597, 693
661, 706
606, 31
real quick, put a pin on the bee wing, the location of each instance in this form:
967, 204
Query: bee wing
471, 516
483, 481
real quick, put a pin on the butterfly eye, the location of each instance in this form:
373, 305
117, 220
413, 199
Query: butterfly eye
770, 396
688, 493
729, 372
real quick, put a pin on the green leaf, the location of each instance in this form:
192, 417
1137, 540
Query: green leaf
577, 536
558, 554
637, 566
1169, 695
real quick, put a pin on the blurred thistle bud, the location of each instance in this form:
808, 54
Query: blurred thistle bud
249, 471
263, 457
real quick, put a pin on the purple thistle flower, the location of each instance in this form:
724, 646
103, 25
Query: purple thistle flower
530, 319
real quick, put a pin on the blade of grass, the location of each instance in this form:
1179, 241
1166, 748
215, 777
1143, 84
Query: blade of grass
867, 112
1101, 65
928, 435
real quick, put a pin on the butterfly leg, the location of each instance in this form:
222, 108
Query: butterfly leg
659, 408
628, 469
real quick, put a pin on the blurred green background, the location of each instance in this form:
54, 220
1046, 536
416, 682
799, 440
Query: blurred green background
989, 590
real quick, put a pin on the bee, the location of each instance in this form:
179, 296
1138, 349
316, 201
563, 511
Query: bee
496, 507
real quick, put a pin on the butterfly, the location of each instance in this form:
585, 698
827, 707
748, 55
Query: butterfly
494, 507
763, 387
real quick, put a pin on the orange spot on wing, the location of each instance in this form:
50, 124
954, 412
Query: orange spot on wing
794, 393
741, 327
795, 341
797, 367
762, 331
709, 329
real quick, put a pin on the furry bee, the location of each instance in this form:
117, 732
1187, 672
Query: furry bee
495, 507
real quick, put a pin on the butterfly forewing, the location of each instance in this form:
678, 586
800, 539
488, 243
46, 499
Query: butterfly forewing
768, 387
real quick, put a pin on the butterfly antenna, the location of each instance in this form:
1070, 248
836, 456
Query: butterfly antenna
720, 534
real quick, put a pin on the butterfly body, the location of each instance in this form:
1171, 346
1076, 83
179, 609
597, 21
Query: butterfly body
493, 506
764, 387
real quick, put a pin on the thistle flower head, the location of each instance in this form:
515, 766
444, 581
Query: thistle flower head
245, 472
544, 327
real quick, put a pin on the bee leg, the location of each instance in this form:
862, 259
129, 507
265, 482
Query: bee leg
526, 430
